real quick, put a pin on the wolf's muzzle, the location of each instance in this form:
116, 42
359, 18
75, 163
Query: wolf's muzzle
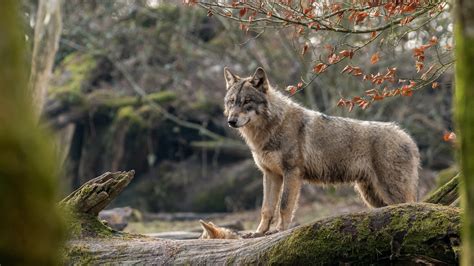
232, 122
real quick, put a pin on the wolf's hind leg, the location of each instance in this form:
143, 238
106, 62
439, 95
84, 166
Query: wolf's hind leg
394, 191
369, 195
397, 185
271, 192
289, 199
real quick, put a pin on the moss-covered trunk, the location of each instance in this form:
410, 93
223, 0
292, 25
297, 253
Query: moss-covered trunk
406, 233
464, 102
30, 228
395, 234
446, 194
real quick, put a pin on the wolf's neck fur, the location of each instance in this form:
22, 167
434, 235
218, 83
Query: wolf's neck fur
257, 133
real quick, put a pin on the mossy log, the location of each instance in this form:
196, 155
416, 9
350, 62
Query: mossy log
401, 233
394, 234
67, 107
447, 194
97, 193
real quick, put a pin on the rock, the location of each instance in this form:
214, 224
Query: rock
118, 218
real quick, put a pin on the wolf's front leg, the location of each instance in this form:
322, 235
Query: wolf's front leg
289, 198
271, 192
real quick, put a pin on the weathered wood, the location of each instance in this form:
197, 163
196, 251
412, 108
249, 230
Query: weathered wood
447, 194
394, 233
97, 193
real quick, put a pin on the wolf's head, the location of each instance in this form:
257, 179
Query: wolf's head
212, 231
246, 98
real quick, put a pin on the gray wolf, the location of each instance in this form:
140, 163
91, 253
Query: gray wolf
291, 144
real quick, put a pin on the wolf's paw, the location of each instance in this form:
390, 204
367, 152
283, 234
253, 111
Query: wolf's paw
252, 235
271, 232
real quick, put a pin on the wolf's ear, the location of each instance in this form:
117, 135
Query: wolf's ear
210, 229
259, 80
230, 78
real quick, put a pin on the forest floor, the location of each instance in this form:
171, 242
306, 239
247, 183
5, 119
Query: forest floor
306, 213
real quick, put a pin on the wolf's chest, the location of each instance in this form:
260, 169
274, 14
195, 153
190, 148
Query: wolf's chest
269, 161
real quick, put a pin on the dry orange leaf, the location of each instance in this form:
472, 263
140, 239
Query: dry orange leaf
449, 136
242, 11
305, 48
347, 53
419, 66
374, 58
291, 89
319, 68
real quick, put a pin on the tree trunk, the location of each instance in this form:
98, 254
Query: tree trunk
464, 100
405, 233
30, 226
48, 28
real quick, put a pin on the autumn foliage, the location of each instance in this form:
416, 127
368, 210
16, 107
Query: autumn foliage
366, 27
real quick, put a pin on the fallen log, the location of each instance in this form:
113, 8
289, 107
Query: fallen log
425, 232
446, 194
405, 233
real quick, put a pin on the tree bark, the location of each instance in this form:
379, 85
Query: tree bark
48, 28
401, 233
97, 193
464, 117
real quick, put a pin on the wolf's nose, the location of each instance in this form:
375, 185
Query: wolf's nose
232, 122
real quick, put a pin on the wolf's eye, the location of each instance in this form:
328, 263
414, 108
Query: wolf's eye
231, 100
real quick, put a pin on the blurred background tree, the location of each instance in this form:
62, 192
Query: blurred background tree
465, 120
30, 228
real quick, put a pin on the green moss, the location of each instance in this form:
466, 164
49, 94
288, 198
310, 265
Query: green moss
72, 73
369, 237
84, 225
128, 114
230, 260
81, 253
438, 225
162, 96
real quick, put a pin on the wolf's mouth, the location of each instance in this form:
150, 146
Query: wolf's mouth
237, 124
